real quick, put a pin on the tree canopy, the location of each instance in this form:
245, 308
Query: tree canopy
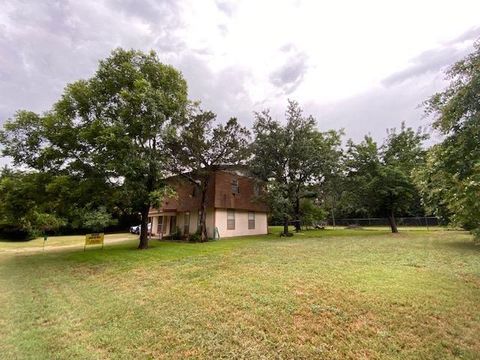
380, 179
198, 149
450, 181
112, 126
291, 158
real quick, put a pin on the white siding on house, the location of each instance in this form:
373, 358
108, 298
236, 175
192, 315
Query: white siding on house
210, 220
215, 218
154, 224
194, 221
241, 223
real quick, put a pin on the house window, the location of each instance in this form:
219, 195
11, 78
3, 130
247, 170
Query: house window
235, 188
230, 219
251, 220
256, 189
186, 224
160, 225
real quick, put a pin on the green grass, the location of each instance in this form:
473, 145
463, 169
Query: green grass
331, 294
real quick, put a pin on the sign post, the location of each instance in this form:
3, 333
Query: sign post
44, 240
94, 239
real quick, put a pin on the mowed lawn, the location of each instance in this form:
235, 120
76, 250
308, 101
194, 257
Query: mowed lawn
333, 294
54, 242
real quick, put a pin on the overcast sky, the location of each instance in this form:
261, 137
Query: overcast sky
359, 65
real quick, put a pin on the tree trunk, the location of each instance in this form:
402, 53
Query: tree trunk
333, 212
393, 223
203, 215
144, 229
297, 215
285, 225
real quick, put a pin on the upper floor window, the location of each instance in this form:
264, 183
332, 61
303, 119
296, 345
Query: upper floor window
235, 187
230, 219
256, 189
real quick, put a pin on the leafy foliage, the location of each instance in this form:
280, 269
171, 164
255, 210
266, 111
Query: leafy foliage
98, 219
199, 148
450, 182
291, 158
311, 213
40, 202
381, 179
110, 127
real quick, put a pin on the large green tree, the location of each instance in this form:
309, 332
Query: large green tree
291, 158
199, 148
450, 182
361, 162
380, 180
112, 126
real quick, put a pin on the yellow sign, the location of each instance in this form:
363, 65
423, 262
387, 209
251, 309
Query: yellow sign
94, 239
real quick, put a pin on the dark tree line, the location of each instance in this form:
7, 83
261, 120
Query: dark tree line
308, 170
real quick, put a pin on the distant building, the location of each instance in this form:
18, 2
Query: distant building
232, 207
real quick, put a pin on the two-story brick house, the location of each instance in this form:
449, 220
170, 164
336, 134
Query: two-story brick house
232, 204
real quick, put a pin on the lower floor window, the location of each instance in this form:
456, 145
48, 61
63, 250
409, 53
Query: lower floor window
186, 224
251, 220
230, 219
160, 225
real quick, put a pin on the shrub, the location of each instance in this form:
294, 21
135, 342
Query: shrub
15, 233
196, 237
177, 234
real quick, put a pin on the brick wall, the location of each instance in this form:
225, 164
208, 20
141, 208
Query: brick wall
245, 199
219, 194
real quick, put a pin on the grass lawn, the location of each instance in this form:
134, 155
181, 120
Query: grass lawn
331, 294
54, 242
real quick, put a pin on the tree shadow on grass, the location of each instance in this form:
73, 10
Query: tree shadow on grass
123, 255
463, 245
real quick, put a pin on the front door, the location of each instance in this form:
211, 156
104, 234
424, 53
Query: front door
173, 224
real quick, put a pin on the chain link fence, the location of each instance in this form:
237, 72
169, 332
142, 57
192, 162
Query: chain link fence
414, 221
423, 221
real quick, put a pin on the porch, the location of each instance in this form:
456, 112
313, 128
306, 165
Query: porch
163, 224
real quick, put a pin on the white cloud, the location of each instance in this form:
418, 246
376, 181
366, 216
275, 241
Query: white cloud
364, 66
